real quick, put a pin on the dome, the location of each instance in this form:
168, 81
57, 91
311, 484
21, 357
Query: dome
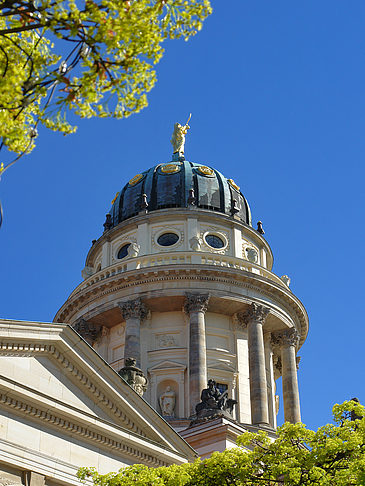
178, 184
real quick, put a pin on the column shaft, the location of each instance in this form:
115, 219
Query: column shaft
196, 306
255, 319
290, 384
258, 385
287, 340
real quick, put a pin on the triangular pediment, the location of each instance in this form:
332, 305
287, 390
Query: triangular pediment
51, 376
166, 365
221, 366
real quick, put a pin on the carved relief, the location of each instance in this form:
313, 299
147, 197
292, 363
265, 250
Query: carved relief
133, 250
196, 303
252, 255
196, 243
133, 309
166, 341
167, 402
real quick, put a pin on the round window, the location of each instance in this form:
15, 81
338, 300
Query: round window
214, 241
167, 239
123, 252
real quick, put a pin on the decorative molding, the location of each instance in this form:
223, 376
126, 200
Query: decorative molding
29, 349
82, 431
240, 321
244, 280
196, 302
133, 309
288, 337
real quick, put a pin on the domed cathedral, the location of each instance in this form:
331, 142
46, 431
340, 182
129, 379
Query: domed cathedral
179, 291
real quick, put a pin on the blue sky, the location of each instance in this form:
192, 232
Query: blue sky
276, 91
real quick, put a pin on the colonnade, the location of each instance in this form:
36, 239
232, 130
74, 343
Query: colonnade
283, 343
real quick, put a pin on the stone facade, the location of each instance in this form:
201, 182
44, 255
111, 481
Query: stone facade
207, 312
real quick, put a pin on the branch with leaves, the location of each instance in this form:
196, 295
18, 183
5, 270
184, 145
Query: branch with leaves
334, 455
93, 57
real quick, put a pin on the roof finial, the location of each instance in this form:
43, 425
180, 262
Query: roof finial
178, 138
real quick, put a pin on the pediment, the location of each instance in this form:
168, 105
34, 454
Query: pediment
221, 366
167, 365
49, 374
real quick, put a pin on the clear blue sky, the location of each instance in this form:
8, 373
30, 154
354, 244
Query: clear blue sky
277, 95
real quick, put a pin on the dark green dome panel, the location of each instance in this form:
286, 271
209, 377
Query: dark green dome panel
168, 185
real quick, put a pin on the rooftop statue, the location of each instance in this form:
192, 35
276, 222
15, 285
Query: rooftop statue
178, 137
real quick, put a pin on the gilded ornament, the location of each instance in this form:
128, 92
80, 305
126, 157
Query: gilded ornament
137, 178
115, 198
169, 168
207, 171
233, 184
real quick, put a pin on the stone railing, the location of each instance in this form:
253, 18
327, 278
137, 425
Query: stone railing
178, 258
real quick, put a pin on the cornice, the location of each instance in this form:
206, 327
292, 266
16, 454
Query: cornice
38, 413
29, 349
189, 272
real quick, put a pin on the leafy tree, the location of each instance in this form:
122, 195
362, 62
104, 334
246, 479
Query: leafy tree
334, 455
94, 57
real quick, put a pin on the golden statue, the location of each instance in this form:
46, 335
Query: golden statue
178, 137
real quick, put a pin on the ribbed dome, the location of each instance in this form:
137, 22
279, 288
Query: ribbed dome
170, 185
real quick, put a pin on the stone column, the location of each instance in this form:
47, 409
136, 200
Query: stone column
287, 341
196, 306
133, 312
255, 318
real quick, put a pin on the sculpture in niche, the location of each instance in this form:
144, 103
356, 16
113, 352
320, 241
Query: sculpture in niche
252, 255
133, 250
196, 243
134, 376
167, 402
178, 137
213, 404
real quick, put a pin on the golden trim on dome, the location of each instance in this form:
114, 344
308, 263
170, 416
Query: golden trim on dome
115, 198
233, 184
207, 171
169, 168
137, 178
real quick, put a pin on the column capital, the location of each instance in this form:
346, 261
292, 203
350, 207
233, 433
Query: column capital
196, 302
255, 313
288, 337
88, 330
133, 308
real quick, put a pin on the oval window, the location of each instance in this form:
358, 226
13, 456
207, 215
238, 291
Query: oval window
167, 239
214, 241
123, 252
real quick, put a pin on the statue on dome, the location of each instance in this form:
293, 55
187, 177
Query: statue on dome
178, 137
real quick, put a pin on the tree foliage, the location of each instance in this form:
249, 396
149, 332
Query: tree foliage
334, 455
94, 57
